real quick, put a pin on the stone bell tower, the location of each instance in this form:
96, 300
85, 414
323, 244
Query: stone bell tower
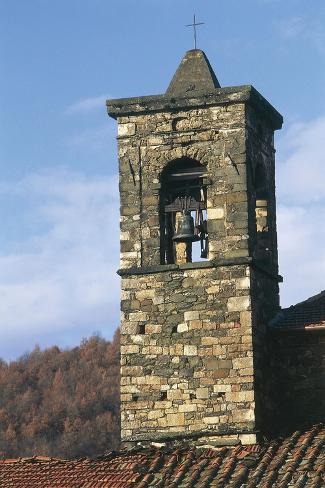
199, 263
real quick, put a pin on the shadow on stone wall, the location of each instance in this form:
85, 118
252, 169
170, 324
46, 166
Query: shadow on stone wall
297, 379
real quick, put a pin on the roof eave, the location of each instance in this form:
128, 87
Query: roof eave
305, 328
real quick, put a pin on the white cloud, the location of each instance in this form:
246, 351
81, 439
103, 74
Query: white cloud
64, 276
308, 29
291, 27
87, 105
301, 174
301, 210
301, 238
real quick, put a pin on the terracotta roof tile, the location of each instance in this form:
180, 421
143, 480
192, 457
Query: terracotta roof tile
297, 461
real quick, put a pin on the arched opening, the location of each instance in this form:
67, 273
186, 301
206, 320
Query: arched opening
263, 251
183, 226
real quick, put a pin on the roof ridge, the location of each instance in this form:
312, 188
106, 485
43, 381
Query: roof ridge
311, 299
31, 459
308, 313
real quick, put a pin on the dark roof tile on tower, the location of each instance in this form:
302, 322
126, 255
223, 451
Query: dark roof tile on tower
309, 314
194, 75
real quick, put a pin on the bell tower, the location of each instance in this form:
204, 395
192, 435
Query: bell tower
199, 265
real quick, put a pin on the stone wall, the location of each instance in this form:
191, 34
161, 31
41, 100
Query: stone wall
297, 366
193, 335
260, 155
187, 356
265, 301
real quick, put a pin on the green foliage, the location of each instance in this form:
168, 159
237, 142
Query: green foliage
61, 403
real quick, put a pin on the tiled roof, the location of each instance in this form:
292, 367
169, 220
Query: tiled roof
296, 461
307, 314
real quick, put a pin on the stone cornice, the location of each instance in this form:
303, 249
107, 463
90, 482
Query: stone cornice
214, 263
172, 436
220, 96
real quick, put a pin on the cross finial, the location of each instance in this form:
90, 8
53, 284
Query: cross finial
194, 28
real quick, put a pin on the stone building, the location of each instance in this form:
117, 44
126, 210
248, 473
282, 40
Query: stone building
199, 262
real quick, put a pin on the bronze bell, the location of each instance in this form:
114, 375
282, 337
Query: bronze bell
185, 232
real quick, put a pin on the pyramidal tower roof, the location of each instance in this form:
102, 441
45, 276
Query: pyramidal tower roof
194, 75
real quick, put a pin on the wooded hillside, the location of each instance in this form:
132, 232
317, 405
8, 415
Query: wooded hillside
61, 403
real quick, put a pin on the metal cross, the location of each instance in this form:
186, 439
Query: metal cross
194, 28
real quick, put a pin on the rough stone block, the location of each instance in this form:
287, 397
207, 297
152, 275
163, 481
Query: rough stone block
187, 408
190, 350
219, 350
243, 415
158, 300
242, 363
217, 226
202, 393
155, 414
214, 364
129, 328
238, 304
195, 324
247, 439
191, 315
175, 419
243, 283
213, 289
209, 341
126, 130
221, 388
182, 328
124, 236
131, 370
143, 294
132, 349
246, 318
176, 350
138, 317
216, 213
153, 329
221, 373
211, 420
175, 395
240, 396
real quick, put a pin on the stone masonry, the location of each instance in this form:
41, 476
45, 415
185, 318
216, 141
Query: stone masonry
193, 334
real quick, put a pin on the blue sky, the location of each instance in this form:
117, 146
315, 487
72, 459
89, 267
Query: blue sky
58, 187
